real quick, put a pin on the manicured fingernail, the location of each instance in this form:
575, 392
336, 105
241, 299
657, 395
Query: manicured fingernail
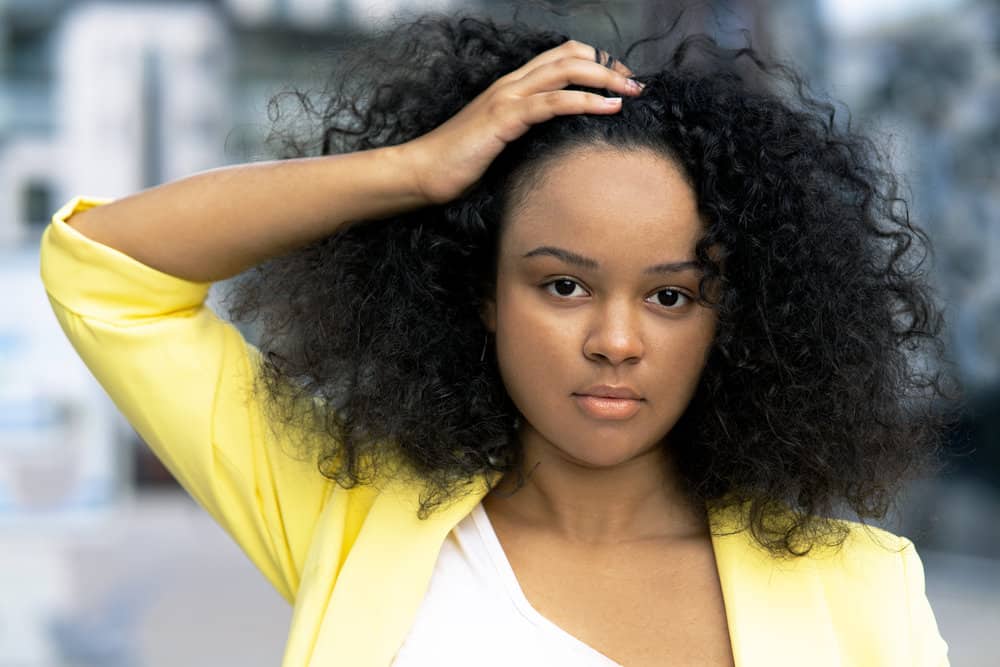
612, 101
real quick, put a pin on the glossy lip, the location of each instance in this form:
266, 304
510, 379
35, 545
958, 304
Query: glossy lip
610, 391
609, 402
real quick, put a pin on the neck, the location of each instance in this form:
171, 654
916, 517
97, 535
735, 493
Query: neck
638, 499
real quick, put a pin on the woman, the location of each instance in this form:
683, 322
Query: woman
586, 380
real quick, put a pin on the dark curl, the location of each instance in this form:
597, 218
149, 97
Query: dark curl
825, 386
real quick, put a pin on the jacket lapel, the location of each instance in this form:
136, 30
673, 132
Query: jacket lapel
385, 578
777, 611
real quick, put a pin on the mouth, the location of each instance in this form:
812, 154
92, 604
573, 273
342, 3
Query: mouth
607, 407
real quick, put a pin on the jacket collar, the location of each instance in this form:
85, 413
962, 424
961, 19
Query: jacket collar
385, 577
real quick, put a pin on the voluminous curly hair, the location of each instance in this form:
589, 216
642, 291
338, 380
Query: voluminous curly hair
824, 387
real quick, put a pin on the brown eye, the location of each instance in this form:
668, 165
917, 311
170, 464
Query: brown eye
564, 287
561, 287
671, 298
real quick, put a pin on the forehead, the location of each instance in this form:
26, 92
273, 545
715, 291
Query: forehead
611, 204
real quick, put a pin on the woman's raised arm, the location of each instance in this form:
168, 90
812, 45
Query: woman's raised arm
216, 224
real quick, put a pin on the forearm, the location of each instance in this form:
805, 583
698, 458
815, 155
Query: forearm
216, 224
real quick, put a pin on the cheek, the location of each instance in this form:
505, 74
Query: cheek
684, 357
530, 344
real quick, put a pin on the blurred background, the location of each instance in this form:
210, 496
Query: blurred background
105, 561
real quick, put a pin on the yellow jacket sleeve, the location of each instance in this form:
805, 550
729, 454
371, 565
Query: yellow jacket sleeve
181, 376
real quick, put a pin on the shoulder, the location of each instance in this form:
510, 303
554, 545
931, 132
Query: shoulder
870, 561
876, 580
873, 589
864, 594
859, 556
879, 565
828, 542
869, 542
849, 557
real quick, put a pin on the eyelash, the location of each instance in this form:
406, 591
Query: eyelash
547, 285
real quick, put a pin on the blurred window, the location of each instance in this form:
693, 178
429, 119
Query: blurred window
37, 202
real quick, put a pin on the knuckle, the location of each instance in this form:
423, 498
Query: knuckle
552, 101
574, 67
495, 108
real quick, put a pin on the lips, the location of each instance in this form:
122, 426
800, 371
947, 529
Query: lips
611, 391
608, 402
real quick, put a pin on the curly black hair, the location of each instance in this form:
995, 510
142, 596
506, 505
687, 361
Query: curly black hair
826, 387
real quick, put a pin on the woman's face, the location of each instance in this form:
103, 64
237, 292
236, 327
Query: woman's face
594, 288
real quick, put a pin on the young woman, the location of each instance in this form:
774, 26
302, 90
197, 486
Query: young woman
555, 367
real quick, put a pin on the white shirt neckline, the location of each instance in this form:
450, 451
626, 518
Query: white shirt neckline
506, 574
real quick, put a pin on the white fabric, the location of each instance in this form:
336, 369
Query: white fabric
475, 613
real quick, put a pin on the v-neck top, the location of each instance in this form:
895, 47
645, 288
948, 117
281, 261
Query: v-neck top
474, 606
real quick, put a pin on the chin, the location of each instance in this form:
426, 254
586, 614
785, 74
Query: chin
604, 455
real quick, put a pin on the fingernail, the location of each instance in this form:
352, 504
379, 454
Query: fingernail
612, 101
635, 85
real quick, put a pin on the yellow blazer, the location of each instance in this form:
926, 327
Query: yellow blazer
356, 563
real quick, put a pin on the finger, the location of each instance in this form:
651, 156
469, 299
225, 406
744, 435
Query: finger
609, 61
572, 71
545, 106
586, 51
569, 48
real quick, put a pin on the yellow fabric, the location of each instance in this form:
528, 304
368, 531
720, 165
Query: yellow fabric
356, 563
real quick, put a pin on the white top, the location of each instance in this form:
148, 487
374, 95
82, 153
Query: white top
475, 612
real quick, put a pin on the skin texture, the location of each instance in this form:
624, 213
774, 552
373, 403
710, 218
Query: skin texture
601, 522
561, 328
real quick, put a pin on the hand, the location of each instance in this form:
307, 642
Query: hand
448, 160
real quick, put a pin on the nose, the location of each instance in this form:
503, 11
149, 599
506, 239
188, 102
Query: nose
615, 336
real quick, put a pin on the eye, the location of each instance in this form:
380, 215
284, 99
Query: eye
562, 287
670, 298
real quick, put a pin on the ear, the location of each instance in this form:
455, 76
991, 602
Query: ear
488, 314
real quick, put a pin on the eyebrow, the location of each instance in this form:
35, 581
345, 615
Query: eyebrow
587, 263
